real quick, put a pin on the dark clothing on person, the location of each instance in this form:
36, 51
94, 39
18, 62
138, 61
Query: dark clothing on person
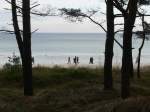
77, 60
91, 60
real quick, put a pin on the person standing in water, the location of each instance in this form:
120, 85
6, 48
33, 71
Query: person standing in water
91, 60
77, 60
69, 60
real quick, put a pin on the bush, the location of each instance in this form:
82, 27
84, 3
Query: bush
7, 66
13, 63
14, 60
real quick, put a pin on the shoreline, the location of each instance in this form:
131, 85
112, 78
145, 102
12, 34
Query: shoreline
68, 65
94, 66
65, 65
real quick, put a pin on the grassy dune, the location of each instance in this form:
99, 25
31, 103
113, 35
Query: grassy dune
71, 90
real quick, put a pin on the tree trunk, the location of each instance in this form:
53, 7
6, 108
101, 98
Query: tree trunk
27, 62
127, 62
139, 59
140, 49
139, 62
16, 28
108, 80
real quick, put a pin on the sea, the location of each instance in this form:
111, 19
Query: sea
54, 48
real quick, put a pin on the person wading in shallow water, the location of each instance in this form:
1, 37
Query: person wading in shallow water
91, 60
77, 60
69, 60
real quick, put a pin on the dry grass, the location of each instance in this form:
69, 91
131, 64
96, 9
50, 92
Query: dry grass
71, 90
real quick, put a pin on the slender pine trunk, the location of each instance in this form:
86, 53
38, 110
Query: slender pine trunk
127, 62
140, 49
108, 80
27, 61
16, 27
139, 63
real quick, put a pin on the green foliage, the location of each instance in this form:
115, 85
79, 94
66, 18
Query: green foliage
13, 63
73, 14
14, 60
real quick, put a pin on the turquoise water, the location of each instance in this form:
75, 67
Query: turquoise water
54, 48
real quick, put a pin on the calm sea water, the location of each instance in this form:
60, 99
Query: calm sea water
50, 49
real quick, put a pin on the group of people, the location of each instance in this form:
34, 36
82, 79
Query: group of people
76, 60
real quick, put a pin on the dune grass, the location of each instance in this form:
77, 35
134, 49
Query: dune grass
67, 90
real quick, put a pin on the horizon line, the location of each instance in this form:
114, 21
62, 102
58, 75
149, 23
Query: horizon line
71, 32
